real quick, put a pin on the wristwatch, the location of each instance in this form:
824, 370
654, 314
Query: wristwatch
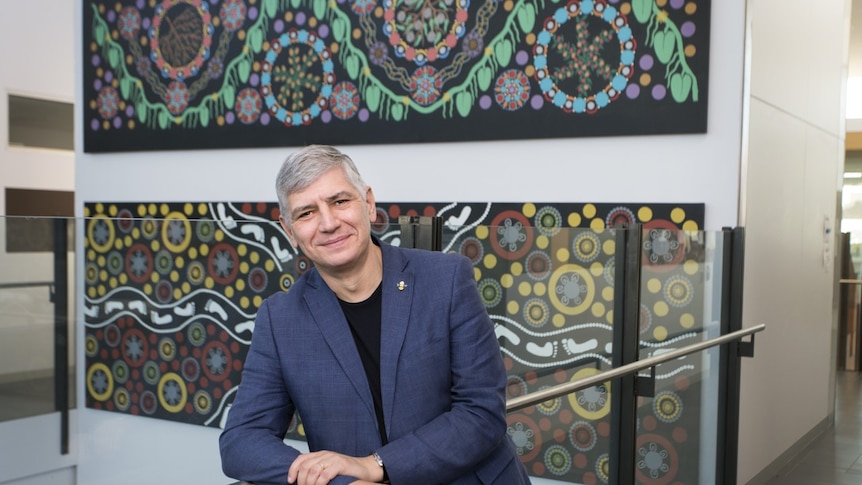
380, 463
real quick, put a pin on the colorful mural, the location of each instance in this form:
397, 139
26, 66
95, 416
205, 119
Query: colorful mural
169, 74
172, 289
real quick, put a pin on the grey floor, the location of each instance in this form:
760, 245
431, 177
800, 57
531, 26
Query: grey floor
834, 458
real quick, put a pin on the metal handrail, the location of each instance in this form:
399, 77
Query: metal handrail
26, 284
570, 387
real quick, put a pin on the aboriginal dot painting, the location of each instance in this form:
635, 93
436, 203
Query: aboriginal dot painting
169, 74
172, 289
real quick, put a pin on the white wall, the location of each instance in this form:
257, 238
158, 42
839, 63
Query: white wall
690, 168
39, 62
793, 167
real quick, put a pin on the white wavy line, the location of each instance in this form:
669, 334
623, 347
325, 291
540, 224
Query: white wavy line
157, 330
556, 363
531, 333
665, 343
675, 372
221, 405
446, 208
163, 306
468, 227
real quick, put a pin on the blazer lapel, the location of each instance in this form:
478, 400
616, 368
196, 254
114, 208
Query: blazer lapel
326, 312
397, 301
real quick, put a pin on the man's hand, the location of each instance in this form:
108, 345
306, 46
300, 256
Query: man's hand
320, 467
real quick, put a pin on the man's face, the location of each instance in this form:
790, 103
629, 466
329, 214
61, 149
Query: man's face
330, 221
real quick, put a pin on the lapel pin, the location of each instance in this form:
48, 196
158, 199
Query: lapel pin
401, 285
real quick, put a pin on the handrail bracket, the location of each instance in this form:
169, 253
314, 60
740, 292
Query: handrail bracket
745, 349
645, 385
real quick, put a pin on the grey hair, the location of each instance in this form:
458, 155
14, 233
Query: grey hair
303, 167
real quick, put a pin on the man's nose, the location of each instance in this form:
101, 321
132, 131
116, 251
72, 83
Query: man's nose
328, 221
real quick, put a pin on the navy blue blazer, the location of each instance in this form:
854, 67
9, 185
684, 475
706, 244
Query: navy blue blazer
442, 378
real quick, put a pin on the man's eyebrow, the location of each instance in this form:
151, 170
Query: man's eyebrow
344, 194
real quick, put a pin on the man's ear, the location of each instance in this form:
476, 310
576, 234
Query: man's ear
287, 230
371, 204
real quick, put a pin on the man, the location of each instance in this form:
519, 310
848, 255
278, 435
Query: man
387, 354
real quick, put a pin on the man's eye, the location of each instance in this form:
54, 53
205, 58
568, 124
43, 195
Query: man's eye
341, 202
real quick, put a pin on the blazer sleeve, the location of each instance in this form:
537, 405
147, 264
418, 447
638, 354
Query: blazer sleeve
455, 442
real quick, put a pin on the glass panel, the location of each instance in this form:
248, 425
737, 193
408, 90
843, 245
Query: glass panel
680, 306
27, 323
551, 296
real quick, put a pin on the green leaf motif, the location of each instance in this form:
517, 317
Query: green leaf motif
397, 111
372, 97
484, 76
642, 10
205, 116
228, 94
526, 17
319, 7
270, 8
352, 66
464, 102
680, 86
255, 40
164, 119
141, 111
244, 70
663, 44
124, 88
503, 52
114, 57
295, 3
339, 29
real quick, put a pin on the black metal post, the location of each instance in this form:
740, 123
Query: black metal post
733, 263
60, 298
625, 344
422, 232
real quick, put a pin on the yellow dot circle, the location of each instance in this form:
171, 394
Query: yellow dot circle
209, 282
243, 302
155, 246
529, 209
539, 289
598, 309
180, 262
204, 250
597, 225
661, 3
690, 50
175, 276
690, 226
188, 208
645, 79
148, 288
659, 333
177, 293
477, 273
482, 232
654, 285
690, 8
490, 261
589, 211
91, 292
118, 244
574, 219
517, 268
257, 300
608, 293
660, 308
686, 320
152, 209
609, 246
525, 288
242, 249
542, 241
512, 307
254, 257
558, 320
609, 316
244, 267
269, 265
219, 235
128, 240
690, 267
186, 287
240, 285
596, 269
677, 215
193, 253
562, 255
124, 278
645, 214
507, 281
228, 291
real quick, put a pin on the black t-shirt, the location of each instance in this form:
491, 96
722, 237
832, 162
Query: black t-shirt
364, 320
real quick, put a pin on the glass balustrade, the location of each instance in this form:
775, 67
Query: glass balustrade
169, 303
